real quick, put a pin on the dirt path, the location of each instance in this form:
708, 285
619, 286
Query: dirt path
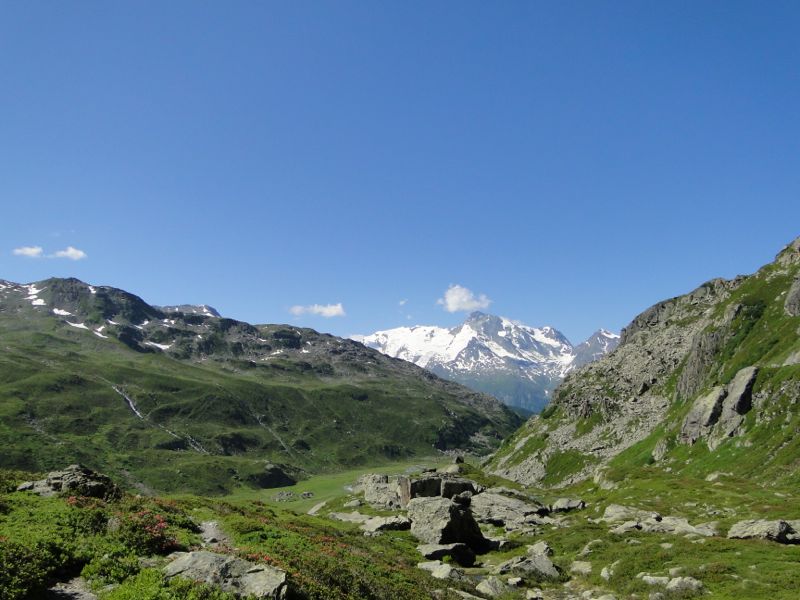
213, 535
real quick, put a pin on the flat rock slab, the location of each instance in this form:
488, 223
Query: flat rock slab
535, 566
229, 573
783, 532
351, 517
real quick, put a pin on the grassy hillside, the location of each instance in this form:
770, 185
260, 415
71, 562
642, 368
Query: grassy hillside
633, 408
186, 402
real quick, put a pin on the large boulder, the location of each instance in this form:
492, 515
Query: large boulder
703, 415
75, 480
534, 566
230, 574
505, 511
566, 505
442, 521
736, 404
380, 491
783, 532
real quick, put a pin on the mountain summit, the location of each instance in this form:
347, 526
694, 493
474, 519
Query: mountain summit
518, 364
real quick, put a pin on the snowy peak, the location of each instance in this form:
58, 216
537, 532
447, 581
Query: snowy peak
517, 363
192, 309
601, 342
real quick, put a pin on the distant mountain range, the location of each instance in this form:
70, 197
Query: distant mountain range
517, 364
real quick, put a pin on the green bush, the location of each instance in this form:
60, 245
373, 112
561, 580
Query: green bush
113, 566
25, 570
150, 584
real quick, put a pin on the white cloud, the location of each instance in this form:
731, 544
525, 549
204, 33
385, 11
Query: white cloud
458, 298
402, 302
70, 253
29, 251
323, 310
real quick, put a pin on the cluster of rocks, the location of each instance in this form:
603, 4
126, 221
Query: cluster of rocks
229, 573
629, 519
445, 512
74, 480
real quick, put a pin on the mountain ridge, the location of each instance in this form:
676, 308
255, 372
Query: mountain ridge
703, 381
516, 363
94, 374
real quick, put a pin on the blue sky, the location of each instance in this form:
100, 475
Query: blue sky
572, 162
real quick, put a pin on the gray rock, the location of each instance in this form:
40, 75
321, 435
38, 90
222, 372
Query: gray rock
352, 503
536, 566
492, 587
581, 567
379, 490
229, 573
655, 580
396, 523
780, 531
566, 505
460, 553
351, 517
442, 521
650, 522
684, 584
736, 404
703, 415
540, 547
504, 511
74, 480
441, 570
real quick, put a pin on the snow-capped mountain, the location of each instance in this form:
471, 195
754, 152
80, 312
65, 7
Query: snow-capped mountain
599, 343
518, 364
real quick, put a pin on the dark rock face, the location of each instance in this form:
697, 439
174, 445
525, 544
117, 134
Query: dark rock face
792, 304
74, 480
273, 476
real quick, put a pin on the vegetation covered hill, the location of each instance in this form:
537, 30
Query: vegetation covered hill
175, 401
702, 383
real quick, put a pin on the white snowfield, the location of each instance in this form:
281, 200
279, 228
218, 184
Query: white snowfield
484, 342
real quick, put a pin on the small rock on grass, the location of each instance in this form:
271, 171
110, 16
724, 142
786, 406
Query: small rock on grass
581, 567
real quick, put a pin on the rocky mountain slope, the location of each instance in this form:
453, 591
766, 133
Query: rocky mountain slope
705, 382
517, 364
176, 399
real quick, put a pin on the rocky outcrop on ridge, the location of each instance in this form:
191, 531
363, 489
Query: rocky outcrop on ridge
687, 369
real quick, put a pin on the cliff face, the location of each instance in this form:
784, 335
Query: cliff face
698, 377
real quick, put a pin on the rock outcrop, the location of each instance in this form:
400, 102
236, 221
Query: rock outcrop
75, 480
230, 574
783, 532
442, 521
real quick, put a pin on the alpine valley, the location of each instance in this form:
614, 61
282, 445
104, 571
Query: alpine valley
667, 469
517, 364
180, 399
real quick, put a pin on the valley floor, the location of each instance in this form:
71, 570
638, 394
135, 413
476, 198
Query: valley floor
120, 547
